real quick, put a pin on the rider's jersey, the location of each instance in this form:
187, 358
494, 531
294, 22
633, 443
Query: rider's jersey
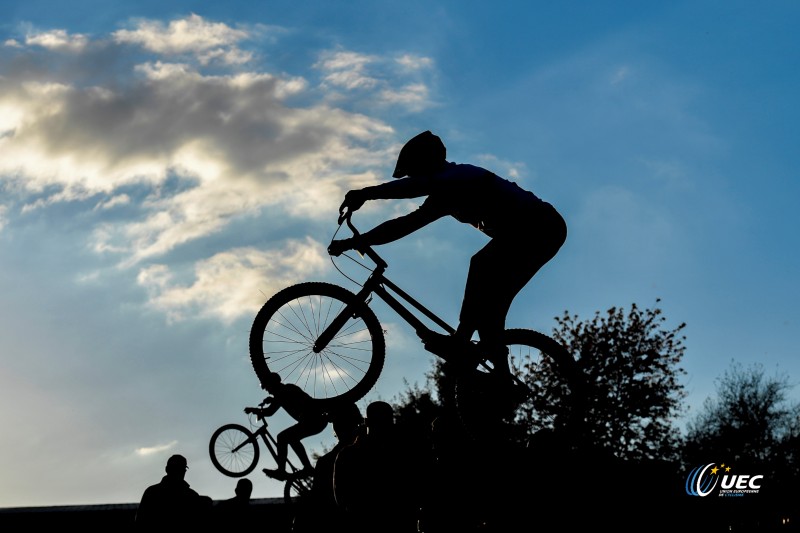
297, 403
478, 197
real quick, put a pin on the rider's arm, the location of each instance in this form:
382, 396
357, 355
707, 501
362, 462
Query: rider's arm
389, 231
397, 228
271, 406
396, 189
402, 188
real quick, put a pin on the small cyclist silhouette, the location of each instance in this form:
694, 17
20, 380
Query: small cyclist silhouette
526, 232
300, 406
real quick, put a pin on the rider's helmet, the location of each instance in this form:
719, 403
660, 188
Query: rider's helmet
423, 154
272, 379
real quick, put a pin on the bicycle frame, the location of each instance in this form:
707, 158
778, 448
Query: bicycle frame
269, 441
378, 284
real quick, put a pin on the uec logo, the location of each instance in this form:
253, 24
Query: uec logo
698, 483
701, 482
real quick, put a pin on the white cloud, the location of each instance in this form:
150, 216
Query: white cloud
157, 449
347, 70
57, 40
516, 171
201, 151
412, 62
190, 35
233, 283
413, 96
231, 138
114, 201
385, 81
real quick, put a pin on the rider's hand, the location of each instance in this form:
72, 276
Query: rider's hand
336, 248
353, 201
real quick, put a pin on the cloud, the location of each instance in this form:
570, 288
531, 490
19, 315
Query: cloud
513, 170
154, 450
231, 139
347, 70
377, 77
233, 283
194, 35
56, 40
164, 151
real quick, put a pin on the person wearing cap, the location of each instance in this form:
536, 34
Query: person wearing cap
525, 233
171, 503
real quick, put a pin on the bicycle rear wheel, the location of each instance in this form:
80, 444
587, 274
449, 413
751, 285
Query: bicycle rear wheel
287, 326
488, 402
297, 488
234, 450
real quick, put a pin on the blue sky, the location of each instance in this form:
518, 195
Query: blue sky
165, 166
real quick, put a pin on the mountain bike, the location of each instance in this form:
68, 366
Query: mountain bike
234, 451
327, 340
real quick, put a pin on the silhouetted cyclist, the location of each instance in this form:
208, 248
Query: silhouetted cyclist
300, 406
525, 231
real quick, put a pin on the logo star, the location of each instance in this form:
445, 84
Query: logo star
714, 470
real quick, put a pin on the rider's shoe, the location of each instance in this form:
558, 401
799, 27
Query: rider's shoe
274, 473
462, 355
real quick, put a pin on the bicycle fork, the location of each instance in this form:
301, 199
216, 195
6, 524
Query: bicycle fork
341, 319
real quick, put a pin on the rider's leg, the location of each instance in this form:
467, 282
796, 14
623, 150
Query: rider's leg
496, 275
293, 437
486, 301
283, 439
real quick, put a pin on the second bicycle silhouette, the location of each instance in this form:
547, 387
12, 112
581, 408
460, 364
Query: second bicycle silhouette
328, 341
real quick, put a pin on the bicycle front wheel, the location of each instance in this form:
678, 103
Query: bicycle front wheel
287, 326
234, 450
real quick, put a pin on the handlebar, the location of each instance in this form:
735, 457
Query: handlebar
368, 251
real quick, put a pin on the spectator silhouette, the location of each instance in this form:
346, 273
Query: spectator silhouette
171, 504
300, 406
525, 231
319, 511
454, 489
375, 478
236, 511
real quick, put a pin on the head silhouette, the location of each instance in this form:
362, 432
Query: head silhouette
177, 466
272, 380
380, 417
244, 488
423, 154
347, 423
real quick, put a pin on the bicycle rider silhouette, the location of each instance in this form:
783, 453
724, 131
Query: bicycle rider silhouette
300, 406
525, 231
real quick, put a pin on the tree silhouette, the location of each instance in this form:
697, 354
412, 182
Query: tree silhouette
632, 362
751, 422
633, 396
753, 428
